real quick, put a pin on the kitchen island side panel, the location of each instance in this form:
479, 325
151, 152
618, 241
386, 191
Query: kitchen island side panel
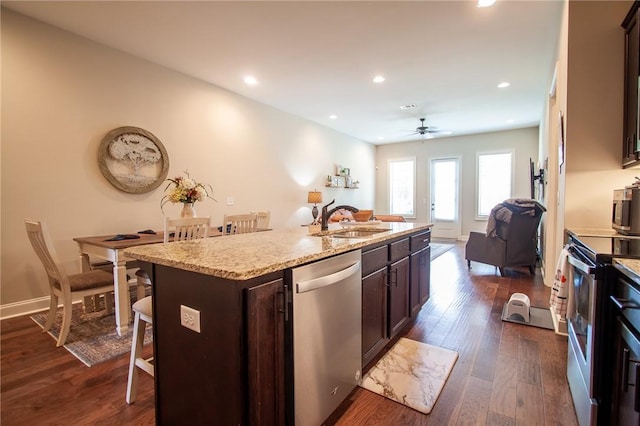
198, 375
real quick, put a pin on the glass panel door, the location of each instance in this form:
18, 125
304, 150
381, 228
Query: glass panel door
445, 189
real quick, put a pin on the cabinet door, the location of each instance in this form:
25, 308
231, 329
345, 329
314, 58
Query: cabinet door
631, 72
414, 288
374, 314
265, 353
420, 279
626, 399
398, 295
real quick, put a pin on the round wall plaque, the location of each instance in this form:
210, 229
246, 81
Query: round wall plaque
133, 160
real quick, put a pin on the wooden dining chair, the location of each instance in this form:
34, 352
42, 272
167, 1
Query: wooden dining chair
63, 286
239, 224
178, 229
263, 219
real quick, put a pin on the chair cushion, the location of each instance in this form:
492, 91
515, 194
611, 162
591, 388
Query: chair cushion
144, 306
91, 279
143, 277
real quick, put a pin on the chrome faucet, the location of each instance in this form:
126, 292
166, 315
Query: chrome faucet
326, 213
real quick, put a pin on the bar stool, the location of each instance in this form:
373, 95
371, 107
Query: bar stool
143, 311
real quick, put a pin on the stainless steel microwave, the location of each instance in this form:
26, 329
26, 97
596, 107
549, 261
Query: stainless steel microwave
626, 211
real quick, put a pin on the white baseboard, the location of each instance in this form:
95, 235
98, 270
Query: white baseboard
27, 307
24, 307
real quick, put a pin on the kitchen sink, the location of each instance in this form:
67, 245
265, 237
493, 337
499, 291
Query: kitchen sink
357, 233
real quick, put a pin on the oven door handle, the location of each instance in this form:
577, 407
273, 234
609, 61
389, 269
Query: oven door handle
580, 265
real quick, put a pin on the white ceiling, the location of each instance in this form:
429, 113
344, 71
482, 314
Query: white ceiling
317, 58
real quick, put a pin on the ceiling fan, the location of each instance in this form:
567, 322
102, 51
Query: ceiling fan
428, 132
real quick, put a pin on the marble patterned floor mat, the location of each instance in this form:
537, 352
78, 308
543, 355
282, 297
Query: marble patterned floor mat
411, 373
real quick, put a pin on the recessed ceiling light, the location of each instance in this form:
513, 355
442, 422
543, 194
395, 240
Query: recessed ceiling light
511, 120
378, 79
486, 3
409, 106
250, 80
380, 138
333, 116
504, 84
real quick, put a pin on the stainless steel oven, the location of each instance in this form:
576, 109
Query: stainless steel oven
589, 316
582, 335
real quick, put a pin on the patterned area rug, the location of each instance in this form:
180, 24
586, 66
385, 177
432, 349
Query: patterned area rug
411, 373
437, 249
92, 338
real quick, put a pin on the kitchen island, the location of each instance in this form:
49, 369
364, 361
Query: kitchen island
233, 371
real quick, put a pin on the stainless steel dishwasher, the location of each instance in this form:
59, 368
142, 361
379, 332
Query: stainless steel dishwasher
327, 335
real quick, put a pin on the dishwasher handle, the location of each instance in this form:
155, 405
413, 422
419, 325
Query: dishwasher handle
327, 280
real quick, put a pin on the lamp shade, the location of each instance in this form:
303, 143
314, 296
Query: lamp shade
314, 197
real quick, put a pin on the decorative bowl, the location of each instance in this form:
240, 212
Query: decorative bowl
363, 215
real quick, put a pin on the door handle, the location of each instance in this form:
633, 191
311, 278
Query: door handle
284, 309
625, 370
328, 280
623, 304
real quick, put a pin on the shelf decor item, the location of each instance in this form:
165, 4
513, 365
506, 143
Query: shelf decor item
314, 197
133, 160
186, 191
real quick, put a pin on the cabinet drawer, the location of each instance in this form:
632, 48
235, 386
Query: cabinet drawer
420, 241
399, 249
374, 259
626, 294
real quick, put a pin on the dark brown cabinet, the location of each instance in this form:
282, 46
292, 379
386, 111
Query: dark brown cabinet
265, 353
631, 118
626, 380
398, 296
395, 285
374, 314
624, 349
241, 327
420, 279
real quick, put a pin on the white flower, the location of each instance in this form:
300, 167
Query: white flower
187, 183
186, 190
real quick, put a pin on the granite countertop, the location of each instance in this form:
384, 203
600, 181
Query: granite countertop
246, 256
632, 265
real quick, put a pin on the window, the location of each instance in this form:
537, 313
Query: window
402, 176
493, 180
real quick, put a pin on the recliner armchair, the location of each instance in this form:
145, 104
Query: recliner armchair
513, 241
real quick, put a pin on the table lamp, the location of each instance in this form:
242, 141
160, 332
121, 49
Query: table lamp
314, 197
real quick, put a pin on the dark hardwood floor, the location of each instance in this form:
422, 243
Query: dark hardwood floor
506, 373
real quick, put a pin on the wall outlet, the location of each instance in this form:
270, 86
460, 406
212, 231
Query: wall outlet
230, 201
190, 318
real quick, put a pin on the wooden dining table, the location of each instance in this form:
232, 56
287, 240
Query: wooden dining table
113, 251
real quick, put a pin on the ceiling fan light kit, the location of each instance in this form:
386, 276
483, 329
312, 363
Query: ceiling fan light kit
428, 132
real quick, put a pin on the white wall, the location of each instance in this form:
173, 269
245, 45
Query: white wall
524, 143
61, 94
594, 112
590, 95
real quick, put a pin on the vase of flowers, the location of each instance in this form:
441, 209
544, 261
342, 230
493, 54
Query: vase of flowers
187, 191
188, 210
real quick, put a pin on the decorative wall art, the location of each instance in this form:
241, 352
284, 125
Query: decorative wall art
133, 160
